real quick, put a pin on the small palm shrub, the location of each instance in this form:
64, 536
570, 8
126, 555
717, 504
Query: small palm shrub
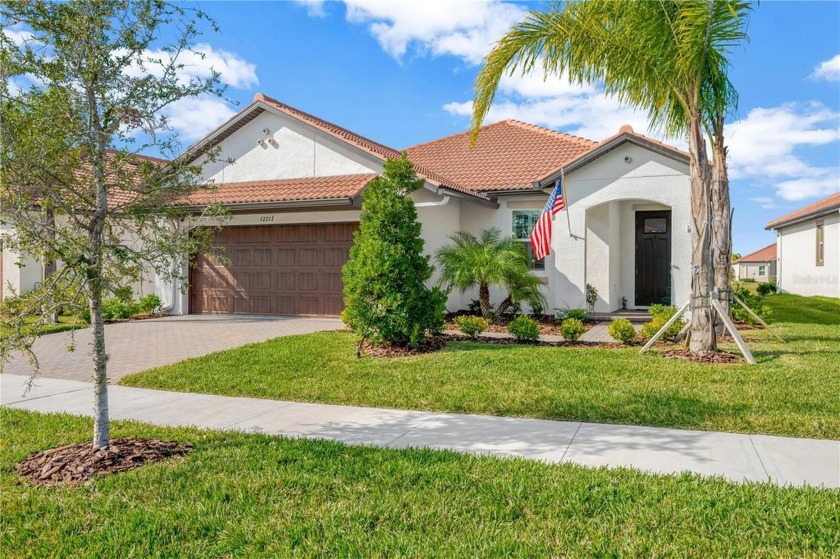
572, 329
623, 331
524, 329
471, 325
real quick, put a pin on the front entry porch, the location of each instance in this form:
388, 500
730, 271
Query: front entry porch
628, 254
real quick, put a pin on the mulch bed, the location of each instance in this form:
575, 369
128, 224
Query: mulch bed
77, 463
437, 343
718, 357
135, 318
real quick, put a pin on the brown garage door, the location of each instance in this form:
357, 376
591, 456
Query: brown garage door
274, 269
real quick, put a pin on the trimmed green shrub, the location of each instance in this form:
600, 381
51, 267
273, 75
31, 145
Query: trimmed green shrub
754, 302
572, 329
766, 288
385, 294
150, 304
649, 329
662, 310
524, 329
118, 309
471, 325
623, 331
579, 314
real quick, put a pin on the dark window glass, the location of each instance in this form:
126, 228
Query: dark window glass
656, 225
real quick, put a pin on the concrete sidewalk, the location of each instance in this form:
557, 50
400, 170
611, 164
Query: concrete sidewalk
784, 461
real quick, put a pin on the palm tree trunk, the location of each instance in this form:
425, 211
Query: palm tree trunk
702, 332
721, 220
484, 299
504, 305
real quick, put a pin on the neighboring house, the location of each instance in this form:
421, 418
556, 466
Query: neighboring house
808, 248
759, 265
296, 185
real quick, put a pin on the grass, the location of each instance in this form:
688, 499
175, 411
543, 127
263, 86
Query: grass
792, 391
64, 323
239, 495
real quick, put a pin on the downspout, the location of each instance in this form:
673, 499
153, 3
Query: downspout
433, 204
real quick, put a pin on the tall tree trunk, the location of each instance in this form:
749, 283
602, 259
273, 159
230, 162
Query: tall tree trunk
701, 331
101, 419
721, 223
484, 299
50, 264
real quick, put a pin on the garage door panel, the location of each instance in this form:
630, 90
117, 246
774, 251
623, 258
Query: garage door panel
307, 257
285, 257
285, 281
274, 269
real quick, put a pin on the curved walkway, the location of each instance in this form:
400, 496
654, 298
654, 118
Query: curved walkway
139, 345
740, 458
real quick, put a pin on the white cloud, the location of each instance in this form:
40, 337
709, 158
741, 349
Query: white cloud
200, 64
195, 117
765, 148
314, 8
17, 34
555, 103
828, 70
465, 29
765, 202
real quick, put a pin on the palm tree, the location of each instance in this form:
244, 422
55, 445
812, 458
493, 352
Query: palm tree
489, 260
669, 58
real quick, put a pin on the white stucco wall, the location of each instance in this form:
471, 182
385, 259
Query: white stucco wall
300, 151
796, 250
602, 199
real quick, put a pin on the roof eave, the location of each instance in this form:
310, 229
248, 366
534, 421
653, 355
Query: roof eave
283, 204
772, 226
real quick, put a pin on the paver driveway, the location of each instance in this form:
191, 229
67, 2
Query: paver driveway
144, 344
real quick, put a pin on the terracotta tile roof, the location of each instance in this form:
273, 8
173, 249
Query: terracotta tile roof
283, 190
766, 254
826, 204
380, 151
508, 155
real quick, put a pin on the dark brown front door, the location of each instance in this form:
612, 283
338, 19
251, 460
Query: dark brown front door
274, 269
653, 258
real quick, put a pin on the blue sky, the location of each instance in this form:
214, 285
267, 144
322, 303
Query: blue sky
402, 73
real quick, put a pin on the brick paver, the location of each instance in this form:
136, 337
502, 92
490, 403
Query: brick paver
143, 344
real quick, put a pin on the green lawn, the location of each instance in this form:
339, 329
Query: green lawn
240, 495
793, 390
64, 323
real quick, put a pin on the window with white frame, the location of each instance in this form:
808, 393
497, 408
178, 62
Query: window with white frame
762, 271
524, 222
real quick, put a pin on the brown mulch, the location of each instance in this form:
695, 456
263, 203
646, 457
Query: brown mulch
77, 463
428, 345
438, 342
717, 357
135, 318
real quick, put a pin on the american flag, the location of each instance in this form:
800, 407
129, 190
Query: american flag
541, 235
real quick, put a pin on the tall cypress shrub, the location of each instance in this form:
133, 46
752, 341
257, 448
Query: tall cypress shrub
386, 298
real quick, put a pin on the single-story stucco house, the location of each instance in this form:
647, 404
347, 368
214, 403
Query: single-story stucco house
759, 265
808, 249
296, 185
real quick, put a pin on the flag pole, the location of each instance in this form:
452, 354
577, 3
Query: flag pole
566, 203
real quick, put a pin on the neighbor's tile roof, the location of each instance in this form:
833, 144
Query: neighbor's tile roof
283, 190
817, 207
508, 155
766, 254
